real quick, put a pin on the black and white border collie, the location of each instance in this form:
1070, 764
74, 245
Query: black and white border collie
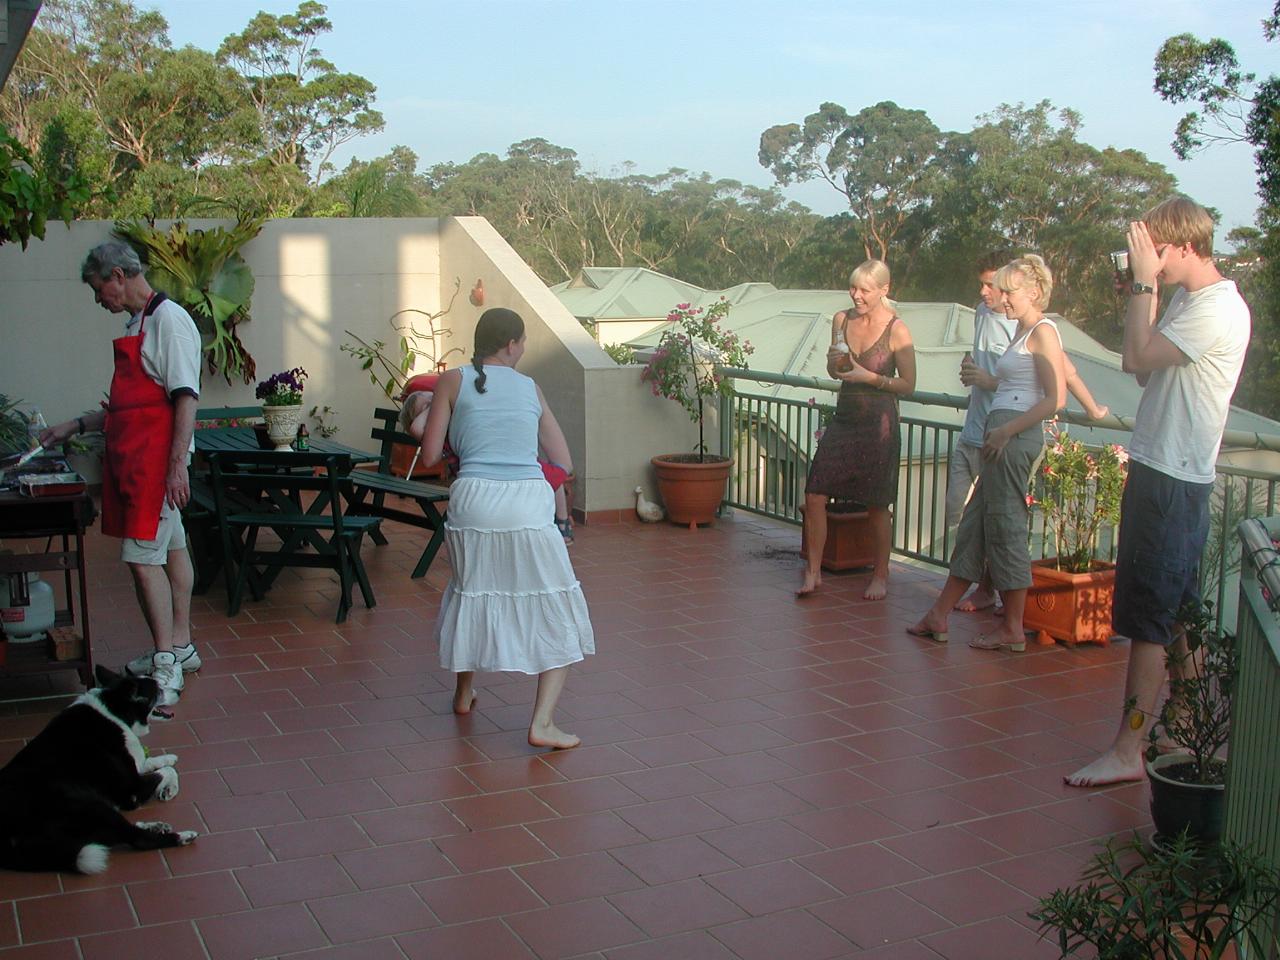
61, 795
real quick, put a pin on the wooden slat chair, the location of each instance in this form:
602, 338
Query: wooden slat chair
369, 489
274, 482
199, 516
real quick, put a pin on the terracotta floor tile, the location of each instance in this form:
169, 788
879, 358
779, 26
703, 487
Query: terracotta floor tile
974, 942
266, 777
743, 753
293, 881
586, 796
185, 898
400, 863
588, 832
679, 858
484, 850
762, 842
772, 887
791, 934
578, 878
74, 914
673, 818
412, 822
856, 869
478, 895
294, 841
570, 929
266, 932
173, 941
483, 940
377, 913
676, 907
967, 896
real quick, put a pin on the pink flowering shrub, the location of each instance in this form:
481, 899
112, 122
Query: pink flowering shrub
1082, 490
682, 367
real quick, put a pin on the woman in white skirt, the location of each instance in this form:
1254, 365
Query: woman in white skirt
513, 602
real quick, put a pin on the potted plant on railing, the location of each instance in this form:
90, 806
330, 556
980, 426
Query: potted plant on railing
1186, 762
281, 396
682, 368
1070, 596
1175, 901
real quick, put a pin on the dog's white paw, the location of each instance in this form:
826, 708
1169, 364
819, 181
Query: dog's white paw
186, 836
92, 858
154, 826
162, 760
168, 788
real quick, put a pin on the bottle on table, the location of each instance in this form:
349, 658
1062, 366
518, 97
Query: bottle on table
303, 442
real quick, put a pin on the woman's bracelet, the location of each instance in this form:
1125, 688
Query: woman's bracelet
80, 421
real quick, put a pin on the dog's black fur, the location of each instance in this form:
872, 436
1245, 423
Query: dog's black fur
61, 795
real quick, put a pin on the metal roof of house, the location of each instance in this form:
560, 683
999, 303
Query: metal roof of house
791, 329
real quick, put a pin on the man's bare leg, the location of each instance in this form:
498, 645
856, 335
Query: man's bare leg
155, 596
542, 729
181, 581
1123, 760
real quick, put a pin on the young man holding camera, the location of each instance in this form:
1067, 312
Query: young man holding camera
1188, 364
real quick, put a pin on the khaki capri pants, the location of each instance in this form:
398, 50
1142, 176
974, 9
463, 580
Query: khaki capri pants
993, 528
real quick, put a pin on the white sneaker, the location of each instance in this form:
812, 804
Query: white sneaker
188, 658
166, 672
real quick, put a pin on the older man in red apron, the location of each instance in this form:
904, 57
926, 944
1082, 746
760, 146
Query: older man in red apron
148, 421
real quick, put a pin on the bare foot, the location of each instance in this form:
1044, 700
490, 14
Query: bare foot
876, 589
463, 705
1108, 768
549, 735
978, 600
812, 581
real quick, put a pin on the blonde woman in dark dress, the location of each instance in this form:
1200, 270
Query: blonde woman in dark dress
857, 457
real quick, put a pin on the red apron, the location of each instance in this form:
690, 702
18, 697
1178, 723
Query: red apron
139, 437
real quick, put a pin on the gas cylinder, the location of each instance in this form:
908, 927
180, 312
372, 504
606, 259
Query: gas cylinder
24, 624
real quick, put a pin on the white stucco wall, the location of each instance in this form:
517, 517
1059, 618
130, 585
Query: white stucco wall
315, 279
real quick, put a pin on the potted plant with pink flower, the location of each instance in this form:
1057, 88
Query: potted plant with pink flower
1080, 494
683, 368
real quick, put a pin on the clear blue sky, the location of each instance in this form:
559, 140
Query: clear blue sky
693, 83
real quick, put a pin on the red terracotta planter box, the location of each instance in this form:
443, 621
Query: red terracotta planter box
850, 544
1072, 607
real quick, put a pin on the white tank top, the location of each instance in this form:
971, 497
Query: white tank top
1020, 388
495, 433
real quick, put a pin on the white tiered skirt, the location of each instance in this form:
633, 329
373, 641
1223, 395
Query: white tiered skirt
513, 602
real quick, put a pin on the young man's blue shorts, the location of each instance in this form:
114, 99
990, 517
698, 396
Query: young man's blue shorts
1164, 523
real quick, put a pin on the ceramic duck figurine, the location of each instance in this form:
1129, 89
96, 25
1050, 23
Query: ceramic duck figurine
647, 510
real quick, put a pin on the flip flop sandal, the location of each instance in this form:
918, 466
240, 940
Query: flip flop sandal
937, 636
988, 643
565, 527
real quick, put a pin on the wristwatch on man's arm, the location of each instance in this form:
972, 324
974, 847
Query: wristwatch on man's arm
1138, 287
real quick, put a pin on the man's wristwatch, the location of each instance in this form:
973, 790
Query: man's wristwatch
1137, 287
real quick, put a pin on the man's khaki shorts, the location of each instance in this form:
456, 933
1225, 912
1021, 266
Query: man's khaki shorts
170, 535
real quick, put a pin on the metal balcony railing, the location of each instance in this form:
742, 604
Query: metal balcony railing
772, 441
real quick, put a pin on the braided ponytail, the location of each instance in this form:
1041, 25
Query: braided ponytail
494, 330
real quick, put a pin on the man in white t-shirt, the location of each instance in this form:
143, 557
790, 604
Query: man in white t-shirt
149, 421
1188, 364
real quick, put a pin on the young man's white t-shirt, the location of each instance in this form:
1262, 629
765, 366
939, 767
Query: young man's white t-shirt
1183, 410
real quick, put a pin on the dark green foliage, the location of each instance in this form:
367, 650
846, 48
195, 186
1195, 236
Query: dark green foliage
1155, 903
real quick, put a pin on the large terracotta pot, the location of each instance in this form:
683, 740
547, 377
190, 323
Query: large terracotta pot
1177, 806
1072, 607
850, 543
691, 491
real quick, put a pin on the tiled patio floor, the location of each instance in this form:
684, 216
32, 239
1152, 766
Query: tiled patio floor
760, 778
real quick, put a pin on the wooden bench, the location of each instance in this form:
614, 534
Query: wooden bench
368, 490
273, 483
